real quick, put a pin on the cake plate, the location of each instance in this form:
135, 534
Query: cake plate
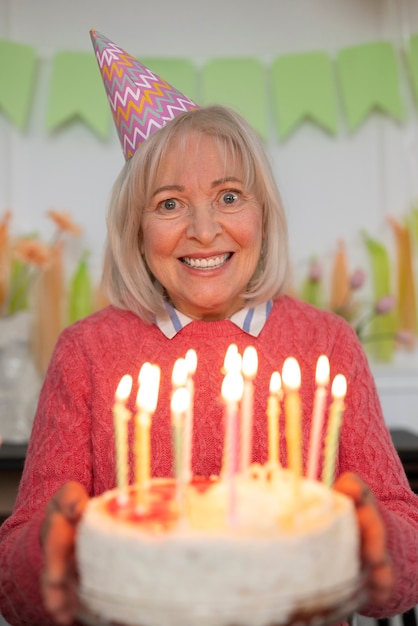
327, 608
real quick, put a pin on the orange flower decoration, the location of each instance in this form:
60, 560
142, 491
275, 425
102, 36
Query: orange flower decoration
32, 252
64, 222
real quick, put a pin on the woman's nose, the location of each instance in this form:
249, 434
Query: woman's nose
203, 224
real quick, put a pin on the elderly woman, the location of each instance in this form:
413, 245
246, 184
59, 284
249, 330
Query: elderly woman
196, 257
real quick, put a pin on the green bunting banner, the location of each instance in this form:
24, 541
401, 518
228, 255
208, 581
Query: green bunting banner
304, 88
76, 91
18, 65
297, 88
369, 80
239, 84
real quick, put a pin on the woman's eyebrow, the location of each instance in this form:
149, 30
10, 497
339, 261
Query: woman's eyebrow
168, 188
225, 179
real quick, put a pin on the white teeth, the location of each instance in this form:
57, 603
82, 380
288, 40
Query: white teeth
204, 264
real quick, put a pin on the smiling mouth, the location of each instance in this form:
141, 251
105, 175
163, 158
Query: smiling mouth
208, 263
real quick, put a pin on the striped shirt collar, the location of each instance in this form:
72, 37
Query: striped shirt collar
251, 319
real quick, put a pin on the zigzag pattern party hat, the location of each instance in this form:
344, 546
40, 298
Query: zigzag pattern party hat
141, 102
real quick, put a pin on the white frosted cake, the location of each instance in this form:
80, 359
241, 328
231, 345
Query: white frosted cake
149, 562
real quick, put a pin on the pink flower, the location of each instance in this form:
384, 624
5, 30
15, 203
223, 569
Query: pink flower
315, 271
357, 279
384, 305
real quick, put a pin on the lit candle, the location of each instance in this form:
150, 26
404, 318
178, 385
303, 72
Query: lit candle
232, 390
232, 359
314, 453
338, 391
293, 411
249, 371
191, 363
146, 402
180, 401
121, 416
273, 414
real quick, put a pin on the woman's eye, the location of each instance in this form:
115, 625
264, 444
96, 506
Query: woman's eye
168, 204
229, 197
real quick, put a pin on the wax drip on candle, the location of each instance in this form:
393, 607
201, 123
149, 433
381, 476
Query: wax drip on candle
273, 415
232, 390
315, 441
121, 416
291, 380
338, 391
249, 371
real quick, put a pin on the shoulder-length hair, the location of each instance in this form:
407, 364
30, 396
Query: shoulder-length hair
126, 277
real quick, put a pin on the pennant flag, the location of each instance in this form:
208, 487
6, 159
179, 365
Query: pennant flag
369, 80
76, 91
178, 72
239, 84
304, 88
18, 64
412, 59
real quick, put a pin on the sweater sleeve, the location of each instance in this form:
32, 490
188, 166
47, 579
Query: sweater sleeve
59, 450
367, 449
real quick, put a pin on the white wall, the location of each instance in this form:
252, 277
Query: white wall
332, 186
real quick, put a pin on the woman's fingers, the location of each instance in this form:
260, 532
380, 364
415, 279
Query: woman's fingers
58, 540
375, 557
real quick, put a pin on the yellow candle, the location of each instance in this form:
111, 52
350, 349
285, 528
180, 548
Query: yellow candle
249, 371
121, 416
322, 380
293, 412
338, 391
273, 415
146, 402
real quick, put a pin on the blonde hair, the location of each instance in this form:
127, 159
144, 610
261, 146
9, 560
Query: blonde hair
126, 277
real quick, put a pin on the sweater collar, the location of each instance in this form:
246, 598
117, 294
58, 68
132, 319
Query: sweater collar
250, 319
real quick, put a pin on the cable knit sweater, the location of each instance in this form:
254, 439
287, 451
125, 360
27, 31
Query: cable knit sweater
73, 439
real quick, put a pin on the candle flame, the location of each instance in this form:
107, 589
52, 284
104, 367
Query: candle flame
249, 362
233, 359
339, 386
124, 388
191, 361
291, 373
179, 374
180, 400
322, 370
275, 383
232, 387
147, 396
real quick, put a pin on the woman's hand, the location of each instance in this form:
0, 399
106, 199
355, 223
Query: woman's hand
375, 557
58, 582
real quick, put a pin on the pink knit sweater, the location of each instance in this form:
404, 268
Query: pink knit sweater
73, 439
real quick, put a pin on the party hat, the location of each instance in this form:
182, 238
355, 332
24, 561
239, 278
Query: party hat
141, 102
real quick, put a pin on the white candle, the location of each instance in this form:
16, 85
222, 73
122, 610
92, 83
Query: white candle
338, 391
191, 363
249, 371
314, 452
180, 401
146, 402
121, 416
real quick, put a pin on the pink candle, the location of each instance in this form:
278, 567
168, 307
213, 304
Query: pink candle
249, 371
232, 390
315, 441
273, 414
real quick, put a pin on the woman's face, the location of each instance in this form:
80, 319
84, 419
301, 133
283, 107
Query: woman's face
202, 233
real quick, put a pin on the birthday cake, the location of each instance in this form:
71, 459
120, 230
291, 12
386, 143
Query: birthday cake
164, 557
